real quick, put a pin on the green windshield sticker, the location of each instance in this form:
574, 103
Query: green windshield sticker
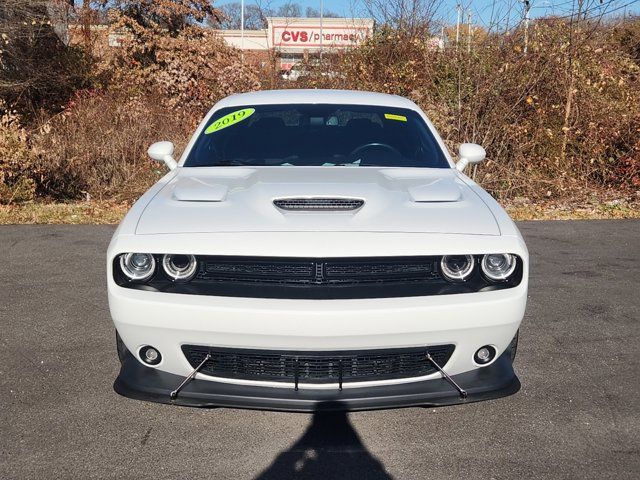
391, 116
230, 119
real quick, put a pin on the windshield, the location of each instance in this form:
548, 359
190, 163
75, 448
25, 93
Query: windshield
316, 135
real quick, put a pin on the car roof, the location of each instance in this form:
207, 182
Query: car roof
292, 96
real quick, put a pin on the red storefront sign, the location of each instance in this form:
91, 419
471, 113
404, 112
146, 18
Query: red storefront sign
310, 36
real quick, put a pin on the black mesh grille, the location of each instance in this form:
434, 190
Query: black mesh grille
318, 204
317, 367
380, 270
318, 272
251, 270
318, 278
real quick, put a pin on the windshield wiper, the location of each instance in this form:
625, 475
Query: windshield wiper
352, 164
234, 163
244, 163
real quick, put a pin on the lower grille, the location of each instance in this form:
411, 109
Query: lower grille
317, 367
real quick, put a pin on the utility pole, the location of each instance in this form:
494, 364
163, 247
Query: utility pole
458, 18
242, 30
321, 18
527, 7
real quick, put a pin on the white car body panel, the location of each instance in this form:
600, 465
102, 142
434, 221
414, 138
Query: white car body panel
273, 324
230, 211
428, 201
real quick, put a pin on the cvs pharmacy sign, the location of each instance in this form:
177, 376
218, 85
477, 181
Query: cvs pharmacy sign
305, 36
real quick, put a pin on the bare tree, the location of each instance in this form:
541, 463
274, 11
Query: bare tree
169, 15
254, 17
37, 68
410, 16
315, 13
289, 10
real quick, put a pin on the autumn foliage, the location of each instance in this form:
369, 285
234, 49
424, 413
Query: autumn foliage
561, 121
186, 66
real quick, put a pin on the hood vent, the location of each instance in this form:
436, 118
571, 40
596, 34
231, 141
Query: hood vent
318, 204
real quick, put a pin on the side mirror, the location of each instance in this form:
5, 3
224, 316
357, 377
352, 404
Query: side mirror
163, 152
469, 153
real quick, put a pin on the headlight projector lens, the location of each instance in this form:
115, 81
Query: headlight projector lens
498, 266
179, 267
457, 268
137, 266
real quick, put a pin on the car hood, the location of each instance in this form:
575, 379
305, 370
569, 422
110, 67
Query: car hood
240, 199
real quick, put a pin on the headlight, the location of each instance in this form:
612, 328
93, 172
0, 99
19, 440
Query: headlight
137, 266
498, 266
179, 267
457, 268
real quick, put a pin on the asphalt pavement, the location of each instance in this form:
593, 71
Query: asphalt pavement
577, 415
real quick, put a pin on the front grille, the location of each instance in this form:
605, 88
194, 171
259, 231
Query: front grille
317, 367
316, 278
318, 204
318, 271
380, 270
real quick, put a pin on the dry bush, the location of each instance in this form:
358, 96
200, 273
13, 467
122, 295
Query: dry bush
159, 85
16, 161
561, 120
187, 66
190, 71
627, 36
37, 70
97, 147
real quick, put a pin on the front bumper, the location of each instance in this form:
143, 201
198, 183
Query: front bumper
143, 383
168, 321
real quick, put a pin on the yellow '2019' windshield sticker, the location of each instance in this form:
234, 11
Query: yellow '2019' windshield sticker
229, 119
391, 116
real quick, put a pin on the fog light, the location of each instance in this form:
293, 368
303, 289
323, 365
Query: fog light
150, 355
484, 355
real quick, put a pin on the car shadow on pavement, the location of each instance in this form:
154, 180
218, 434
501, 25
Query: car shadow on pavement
330, 448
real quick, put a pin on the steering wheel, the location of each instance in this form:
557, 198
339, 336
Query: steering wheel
383, 146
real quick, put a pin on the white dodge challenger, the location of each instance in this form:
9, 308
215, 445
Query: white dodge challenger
316, 249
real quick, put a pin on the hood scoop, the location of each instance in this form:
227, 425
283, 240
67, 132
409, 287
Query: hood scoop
318, 204
196, 190
440, 190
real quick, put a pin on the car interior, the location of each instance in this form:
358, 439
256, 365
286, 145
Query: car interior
320, 137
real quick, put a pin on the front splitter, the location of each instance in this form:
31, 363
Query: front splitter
486, 383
